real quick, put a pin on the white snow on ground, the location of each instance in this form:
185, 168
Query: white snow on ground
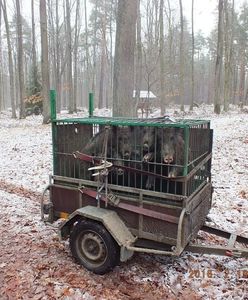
26, 160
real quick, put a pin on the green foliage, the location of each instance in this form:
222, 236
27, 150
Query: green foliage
34, 82
243, 25
102, 12
34, 100
26, 34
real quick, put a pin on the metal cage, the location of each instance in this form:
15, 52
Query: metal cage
157, 154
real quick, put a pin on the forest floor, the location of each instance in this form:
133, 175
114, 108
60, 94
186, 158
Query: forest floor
34, 264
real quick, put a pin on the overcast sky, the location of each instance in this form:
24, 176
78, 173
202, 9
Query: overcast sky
205, 12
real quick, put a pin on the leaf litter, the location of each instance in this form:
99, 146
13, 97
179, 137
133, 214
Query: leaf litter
34, 264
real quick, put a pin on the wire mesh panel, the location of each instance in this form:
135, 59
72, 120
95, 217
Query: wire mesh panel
69, 138
152, 154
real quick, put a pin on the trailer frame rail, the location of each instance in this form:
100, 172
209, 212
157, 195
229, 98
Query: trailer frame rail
228, 250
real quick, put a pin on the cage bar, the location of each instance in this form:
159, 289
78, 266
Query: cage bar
126, 150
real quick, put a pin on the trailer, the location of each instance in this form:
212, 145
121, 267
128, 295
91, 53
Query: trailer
131, 185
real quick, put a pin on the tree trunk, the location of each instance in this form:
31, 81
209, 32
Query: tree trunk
16, 80
93, 85
156, 22
103, 62
69, 58
161, 55
171, 58
44, 62
139, 60
76, 56
242, 75
34, 74
218, 65
123, 82
229, 31
111, 49
101, 81
20, 56
181, 67
58, 59
235, 83
87, 49
33, 35
192, 59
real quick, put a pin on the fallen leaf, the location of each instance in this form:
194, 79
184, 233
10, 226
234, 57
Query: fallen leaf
243, 194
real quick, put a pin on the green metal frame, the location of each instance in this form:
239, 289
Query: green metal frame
180, 123
184, 124
54, 128
91, 104
186, 151
154, 122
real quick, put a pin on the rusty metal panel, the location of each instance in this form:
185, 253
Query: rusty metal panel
131, 219
68, 199
204, 192
196, 218
64, 200
160, 228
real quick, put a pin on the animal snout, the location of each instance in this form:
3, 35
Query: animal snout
148, 157
168, 159
126, 155
120, 172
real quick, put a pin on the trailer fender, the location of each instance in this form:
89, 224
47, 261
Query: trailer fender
111, 221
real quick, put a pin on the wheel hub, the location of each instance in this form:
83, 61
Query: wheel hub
93, 247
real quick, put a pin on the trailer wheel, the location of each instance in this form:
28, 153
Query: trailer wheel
93, 247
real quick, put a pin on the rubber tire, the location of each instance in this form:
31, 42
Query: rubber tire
112, 249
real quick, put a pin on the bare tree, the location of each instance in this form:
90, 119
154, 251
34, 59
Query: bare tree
181, 67
10, 59
69, 57
161, 55
123, 82
228, 52
86, 48
171, 56
93, 85
111, 21
75, 53
44, 62
33, 36
192, 58
58, 57
35, 86
218, 65
150, 70
20, 56
166, 48
139, 58
103, 57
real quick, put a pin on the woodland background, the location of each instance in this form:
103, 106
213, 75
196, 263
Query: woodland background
73, 48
